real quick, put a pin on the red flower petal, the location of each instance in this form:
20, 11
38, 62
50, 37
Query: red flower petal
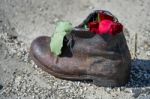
105, 26
104, 16
110, 27
116, 28
93, 26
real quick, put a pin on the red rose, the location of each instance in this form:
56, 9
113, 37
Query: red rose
104, 16
106, 25
116, 28
109, 27
93, 26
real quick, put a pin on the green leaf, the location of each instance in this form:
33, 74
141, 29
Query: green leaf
85, 27
62, 28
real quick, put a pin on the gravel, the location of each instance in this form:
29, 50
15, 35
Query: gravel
22, 79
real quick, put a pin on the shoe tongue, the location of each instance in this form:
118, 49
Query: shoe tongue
68, 43
62, 29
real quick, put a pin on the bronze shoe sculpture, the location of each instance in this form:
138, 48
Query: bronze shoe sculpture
103, 59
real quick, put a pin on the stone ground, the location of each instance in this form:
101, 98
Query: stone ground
21, 21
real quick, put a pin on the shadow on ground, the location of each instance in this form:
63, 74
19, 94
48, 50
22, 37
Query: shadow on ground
140, 73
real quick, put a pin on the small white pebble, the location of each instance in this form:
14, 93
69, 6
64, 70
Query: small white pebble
148, 53
33, 97
108, 89
128, 90
56, 20
91, 7
138, 52
118, 89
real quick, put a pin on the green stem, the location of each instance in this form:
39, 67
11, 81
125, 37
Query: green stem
98, 17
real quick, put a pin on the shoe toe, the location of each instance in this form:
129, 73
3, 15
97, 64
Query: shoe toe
40, 50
